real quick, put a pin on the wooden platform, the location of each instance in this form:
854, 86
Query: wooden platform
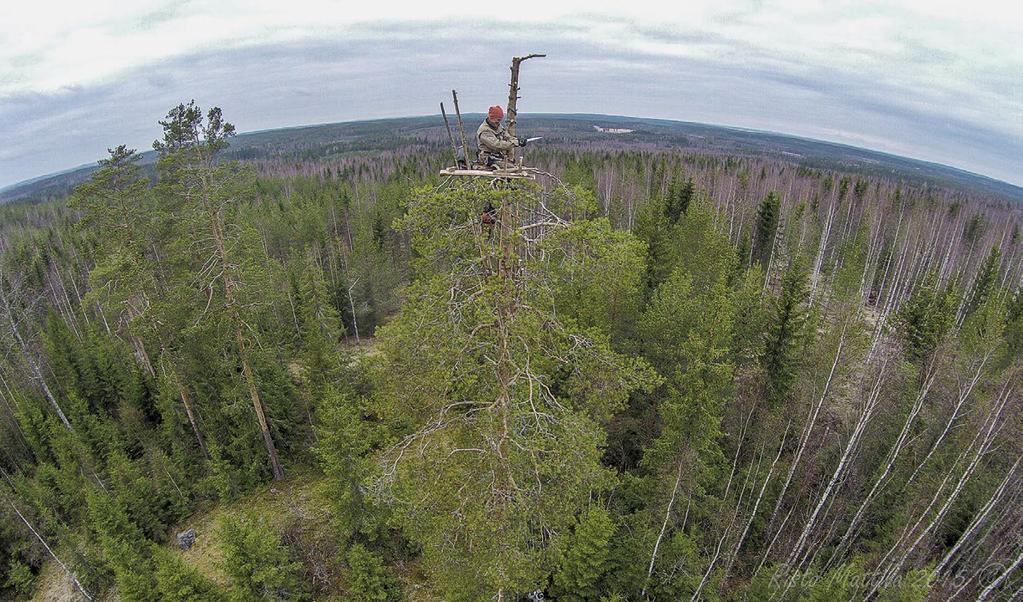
518, 172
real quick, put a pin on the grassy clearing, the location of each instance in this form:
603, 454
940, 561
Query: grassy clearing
290, 507
54, 586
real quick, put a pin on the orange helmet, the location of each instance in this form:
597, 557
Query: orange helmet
496, 113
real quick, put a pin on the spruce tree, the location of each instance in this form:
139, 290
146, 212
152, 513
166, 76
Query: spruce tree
345, 439
688, 339
125, 548
926, 318
178, 582
785, 332
258, 565
1014, 326
584, 557
766, 226
368, 579
680, 193
986, 283
321, 332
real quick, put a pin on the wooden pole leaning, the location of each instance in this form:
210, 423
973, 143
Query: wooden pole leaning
454, 147
461, 129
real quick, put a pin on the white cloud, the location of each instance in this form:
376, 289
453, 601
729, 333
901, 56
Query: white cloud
48, 45
848, 63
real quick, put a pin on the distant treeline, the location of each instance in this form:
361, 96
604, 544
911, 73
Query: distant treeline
330, 141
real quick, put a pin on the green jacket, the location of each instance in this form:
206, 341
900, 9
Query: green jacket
491, 140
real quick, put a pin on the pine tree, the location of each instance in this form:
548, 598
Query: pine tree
598, 283
496, 401
117, 202
208, 193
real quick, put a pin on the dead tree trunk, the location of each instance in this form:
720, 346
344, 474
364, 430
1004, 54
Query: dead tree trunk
186, 401
811, 421
217, 230
513, 97
27, 354
70, 574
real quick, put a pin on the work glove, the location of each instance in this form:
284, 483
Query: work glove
522, 142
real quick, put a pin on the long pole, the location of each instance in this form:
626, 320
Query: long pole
461, 129
454, 147
513, 90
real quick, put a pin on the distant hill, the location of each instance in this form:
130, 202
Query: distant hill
316, 141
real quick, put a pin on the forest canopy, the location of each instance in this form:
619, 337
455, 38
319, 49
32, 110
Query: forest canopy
657, 375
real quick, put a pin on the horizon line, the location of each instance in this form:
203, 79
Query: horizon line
1019, 187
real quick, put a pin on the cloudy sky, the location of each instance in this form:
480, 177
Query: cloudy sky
933, 79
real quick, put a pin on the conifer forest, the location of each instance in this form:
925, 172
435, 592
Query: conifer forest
658, 375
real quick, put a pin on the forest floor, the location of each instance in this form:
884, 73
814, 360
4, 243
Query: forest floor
294, 509
290, 507
54, 586
287, 506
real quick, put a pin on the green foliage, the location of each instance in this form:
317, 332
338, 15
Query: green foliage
596, 277
679, 570
321, 331
178, 582
974, 228
367, 578
345, 438
839, 583
914, 586
1014, 326
118, 211
982, 331
486, 455
986, 281
768, 215
749, 318
688, 336
653, 229
507, 432
844, 582
700, 248
926, 318
146, 503
584, 557
258, 565
125, 550
786, 332
681, 192
19, 577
